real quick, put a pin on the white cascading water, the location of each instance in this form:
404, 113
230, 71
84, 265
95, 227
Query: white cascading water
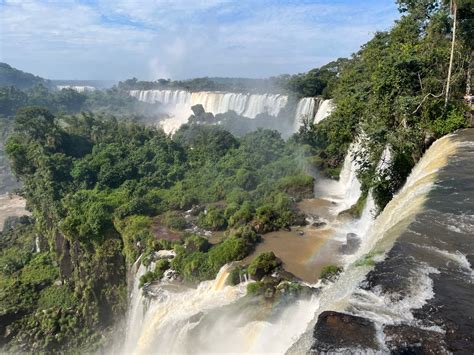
306, 109
179, 102
313, 109
165, 326
76, 88
325, 109
388, 225
347, 190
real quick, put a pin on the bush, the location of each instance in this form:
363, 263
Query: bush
174, 220
236, 275
56, 296
256, 288
263, 265
213, 219
195, 243
299, 186
330, 272
455, 119
150, 276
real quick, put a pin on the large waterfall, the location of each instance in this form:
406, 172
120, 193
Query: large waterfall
179, 102
421, 221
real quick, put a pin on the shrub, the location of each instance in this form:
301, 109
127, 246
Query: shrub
263, 265
299, 186
174, 220
213, 219
56, 296
236, 275
150, 276
195, 243
330, 272
256, 288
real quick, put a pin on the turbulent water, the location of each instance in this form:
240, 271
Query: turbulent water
178, 103
347, 190
325, 109
421, 241
421, 247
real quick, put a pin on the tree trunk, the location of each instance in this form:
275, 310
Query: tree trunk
454, 8
469, 74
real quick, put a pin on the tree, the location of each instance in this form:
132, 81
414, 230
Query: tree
454, 11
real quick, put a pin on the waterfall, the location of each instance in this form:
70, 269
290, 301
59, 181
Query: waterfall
306, 108
174, 310
399, 213
76, 88
178, 103
312, 108
324, 110
136, 310
347, 190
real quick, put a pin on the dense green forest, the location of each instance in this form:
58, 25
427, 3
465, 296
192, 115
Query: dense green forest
316, 82
97, 187
13, 77
104, 189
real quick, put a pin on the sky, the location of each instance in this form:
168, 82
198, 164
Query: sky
179, 39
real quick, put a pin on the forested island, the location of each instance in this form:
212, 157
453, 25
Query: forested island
107, 188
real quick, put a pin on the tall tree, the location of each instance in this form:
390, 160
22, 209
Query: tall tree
454, 11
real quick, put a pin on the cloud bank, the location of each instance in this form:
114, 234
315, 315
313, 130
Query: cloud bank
118, 39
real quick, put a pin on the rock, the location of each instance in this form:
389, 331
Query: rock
198, 110
339, 332
405, 339
164, 254
319, 224
352, 244
196, 318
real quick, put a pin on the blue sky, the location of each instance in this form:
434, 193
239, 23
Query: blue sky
118, 39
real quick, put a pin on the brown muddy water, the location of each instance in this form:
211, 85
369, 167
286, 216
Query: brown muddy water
304, 251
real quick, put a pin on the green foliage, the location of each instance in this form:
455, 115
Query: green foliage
453, 120
197, 264
393, 90
174, 220
12, 77
39, 270
56, 296
213, 218
263, 264
236, 275
256, 288
330, 272
136, 234
150, 276
300, 186
195, 243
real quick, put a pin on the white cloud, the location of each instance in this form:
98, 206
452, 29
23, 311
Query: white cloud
182, 38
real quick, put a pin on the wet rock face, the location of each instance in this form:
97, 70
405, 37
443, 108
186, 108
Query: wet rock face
405, 339
339, 332
351, 245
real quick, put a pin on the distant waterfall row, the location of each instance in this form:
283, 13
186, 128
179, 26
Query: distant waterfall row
248, 105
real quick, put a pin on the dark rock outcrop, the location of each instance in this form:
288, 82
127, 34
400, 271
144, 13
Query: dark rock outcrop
339, 332
351, 245
405, 339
